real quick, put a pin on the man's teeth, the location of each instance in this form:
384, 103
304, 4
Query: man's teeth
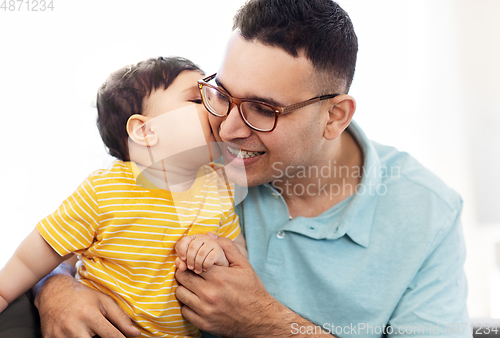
244, 153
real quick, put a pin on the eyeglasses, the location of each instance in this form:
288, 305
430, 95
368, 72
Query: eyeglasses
259, 116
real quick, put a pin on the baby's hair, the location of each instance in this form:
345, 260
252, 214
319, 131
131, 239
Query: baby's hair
123, 93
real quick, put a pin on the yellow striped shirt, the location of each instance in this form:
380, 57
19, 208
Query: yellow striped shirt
124, 235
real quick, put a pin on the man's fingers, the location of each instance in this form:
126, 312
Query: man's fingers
189, 279
193, 317
183, 293
121, 321
74, 330
105, 329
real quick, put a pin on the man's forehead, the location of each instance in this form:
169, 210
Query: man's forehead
250, 67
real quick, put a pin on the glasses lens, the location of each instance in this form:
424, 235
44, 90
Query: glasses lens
215, 102
259, 115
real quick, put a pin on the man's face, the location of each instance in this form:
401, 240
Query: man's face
253, 70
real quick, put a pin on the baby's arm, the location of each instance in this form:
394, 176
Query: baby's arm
200, 252
33, 259
241, 244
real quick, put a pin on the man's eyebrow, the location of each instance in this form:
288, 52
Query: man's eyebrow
268, 100
219, 84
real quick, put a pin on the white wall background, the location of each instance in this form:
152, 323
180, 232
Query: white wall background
427, 82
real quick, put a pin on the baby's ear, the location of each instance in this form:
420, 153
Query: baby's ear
140, 132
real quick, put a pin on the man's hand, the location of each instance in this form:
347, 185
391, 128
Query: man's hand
70, 309
228, 301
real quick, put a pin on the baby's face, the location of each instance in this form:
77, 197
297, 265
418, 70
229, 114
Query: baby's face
178, 118
182, 92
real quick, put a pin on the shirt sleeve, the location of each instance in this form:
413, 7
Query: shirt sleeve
73, 226
434, 303
230, 227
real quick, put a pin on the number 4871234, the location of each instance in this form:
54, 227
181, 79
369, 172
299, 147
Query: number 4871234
27, 5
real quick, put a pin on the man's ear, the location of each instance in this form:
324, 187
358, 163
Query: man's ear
340, 112
140, 132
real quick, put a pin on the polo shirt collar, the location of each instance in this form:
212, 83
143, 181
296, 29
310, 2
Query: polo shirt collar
354, 219
358, 216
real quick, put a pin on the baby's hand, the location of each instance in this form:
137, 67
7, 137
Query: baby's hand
199, 253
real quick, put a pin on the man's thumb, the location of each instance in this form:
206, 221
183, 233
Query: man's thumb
233, 254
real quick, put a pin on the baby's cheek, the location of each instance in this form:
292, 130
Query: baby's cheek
205, 125
215, 122
205, 120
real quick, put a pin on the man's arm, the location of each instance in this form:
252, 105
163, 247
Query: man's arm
69, 309
435, 301
232, 301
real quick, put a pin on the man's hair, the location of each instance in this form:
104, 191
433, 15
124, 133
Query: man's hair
319, 28
123, 93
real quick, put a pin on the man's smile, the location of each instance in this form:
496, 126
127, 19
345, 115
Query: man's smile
244, 153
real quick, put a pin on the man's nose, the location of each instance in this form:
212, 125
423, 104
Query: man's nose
233, 127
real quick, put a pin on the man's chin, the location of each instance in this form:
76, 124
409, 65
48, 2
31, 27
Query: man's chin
237, 175
242, 178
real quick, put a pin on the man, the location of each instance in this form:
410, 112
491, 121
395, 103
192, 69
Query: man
345, 236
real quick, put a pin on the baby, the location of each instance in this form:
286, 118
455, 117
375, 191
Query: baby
124, 222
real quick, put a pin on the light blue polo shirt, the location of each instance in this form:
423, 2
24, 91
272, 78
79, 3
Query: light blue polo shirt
390, 255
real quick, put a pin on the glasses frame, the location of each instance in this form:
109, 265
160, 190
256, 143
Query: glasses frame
233, 101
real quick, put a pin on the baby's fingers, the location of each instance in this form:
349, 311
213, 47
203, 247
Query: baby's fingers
180, 264
215, 257
182, 246
192, 251
205, 250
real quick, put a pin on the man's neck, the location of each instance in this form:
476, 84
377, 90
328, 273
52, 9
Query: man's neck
327, 184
